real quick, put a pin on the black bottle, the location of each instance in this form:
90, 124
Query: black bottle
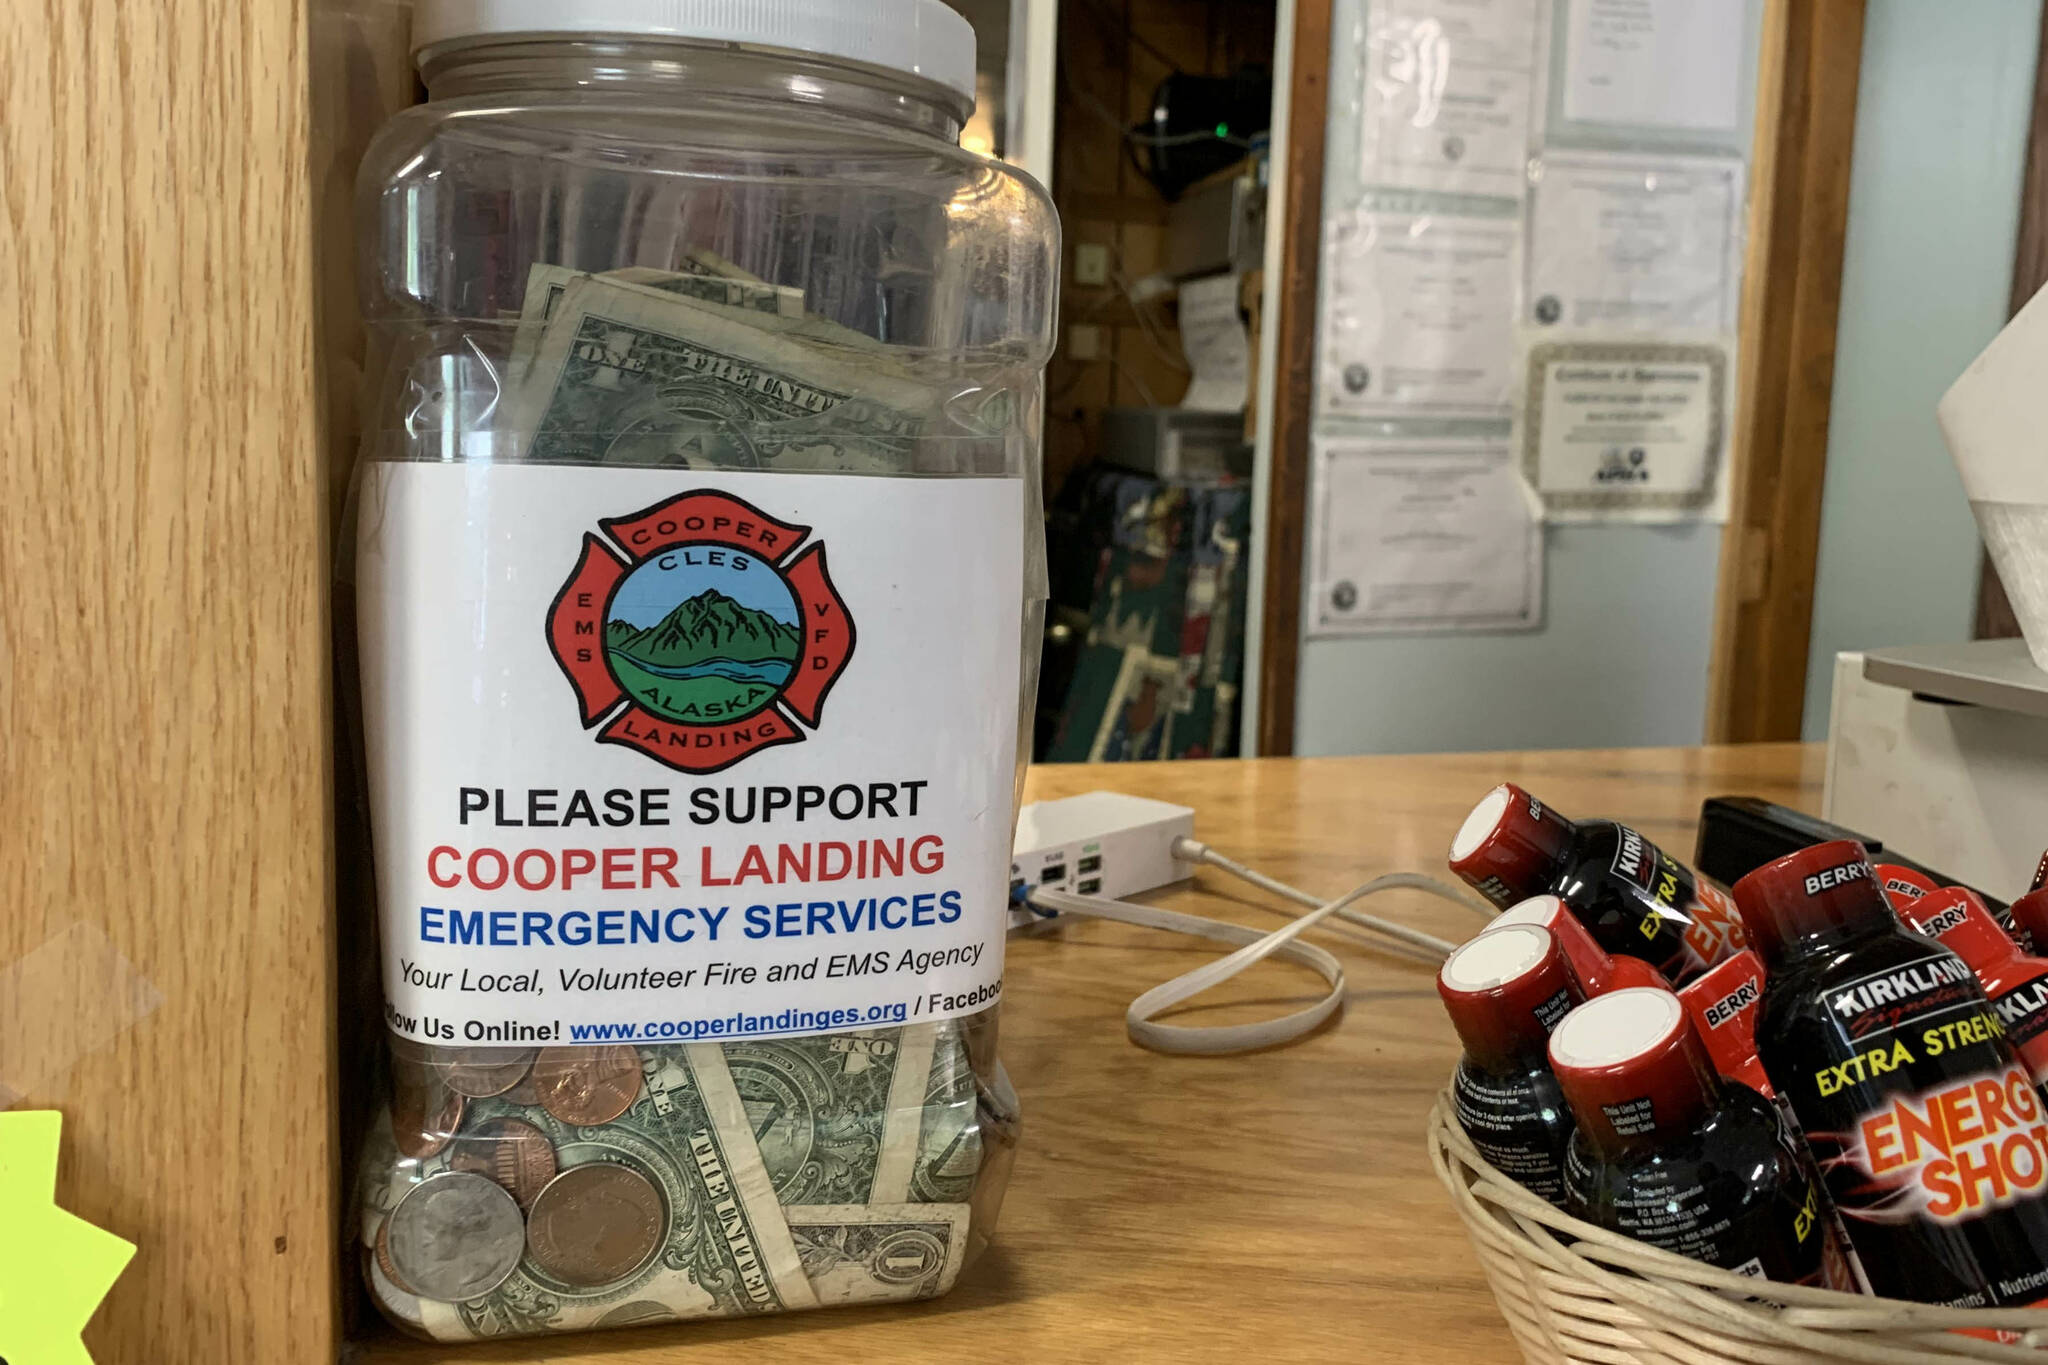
1669, 1153
1505, 990
1920, 1114
1632, 896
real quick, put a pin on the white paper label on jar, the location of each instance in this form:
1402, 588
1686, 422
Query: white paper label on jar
661, 755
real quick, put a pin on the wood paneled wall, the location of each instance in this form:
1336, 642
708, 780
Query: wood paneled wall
1113, 54
164, 755
176, 183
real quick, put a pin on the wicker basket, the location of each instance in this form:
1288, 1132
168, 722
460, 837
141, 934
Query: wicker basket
1572, 1292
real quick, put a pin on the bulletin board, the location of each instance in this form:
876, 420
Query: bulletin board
1533, 255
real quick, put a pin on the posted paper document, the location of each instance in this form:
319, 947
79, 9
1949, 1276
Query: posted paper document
1423, 535
1635, 243
1417, 320
1629, 430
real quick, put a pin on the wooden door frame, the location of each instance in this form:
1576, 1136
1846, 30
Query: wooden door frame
1807, 73
1300, 223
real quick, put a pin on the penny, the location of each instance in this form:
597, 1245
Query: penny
523, 1091
384, 1259
595, 1224
638, 1314
456, 1236
514, 1153
587, 1086
400, 1304
481, 1072
424, 1111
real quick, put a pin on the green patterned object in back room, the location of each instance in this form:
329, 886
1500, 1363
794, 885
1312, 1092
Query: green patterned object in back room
1160, 672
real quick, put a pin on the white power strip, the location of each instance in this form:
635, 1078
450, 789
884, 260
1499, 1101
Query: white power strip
1099, 844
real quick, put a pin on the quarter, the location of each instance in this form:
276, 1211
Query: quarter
455, 1237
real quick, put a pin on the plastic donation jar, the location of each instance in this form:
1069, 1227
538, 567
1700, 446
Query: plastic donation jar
697, 570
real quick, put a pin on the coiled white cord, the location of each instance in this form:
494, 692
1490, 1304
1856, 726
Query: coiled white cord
1195, 851
1141, 1019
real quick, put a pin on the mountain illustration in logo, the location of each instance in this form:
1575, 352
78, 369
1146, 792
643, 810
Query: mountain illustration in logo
706, 629
709, 656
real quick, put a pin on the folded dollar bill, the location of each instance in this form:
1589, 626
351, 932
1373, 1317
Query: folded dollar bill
628, 375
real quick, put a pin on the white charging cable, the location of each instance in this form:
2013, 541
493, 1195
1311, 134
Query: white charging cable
1195, 851
1141, 1019
1211, 1040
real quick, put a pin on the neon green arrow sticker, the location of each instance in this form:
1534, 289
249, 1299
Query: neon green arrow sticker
54, 1266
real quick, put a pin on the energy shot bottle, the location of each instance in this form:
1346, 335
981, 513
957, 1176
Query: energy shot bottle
1723, 1006
1598, 970
2016, 982
1917, 1108
2030, 919
1902, 885
1669, 1153
1633, 897
1505, 991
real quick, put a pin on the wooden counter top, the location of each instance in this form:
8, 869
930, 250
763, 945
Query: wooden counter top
1270, 1207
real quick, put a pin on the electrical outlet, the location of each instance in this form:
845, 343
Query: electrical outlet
1084, 342
1091, 264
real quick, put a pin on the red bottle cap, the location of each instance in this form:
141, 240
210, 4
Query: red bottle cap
1964, 924
1902, 885
1598, 970
1505, 991
1508, 845
2030, 913
1808, 892
1633, 1070
1723, 1006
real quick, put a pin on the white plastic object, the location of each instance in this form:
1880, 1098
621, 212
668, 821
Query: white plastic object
1496, 957
925, 38
1483, 820
1615, 1028
1540, 911
1097, 844
1992, 418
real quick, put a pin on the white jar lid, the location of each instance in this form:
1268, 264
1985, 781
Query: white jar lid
925, 38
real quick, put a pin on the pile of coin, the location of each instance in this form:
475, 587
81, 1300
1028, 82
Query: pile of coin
518, 1191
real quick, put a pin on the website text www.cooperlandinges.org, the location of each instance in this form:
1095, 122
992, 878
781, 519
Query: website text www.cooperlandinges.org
742, 1024
739, 1024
